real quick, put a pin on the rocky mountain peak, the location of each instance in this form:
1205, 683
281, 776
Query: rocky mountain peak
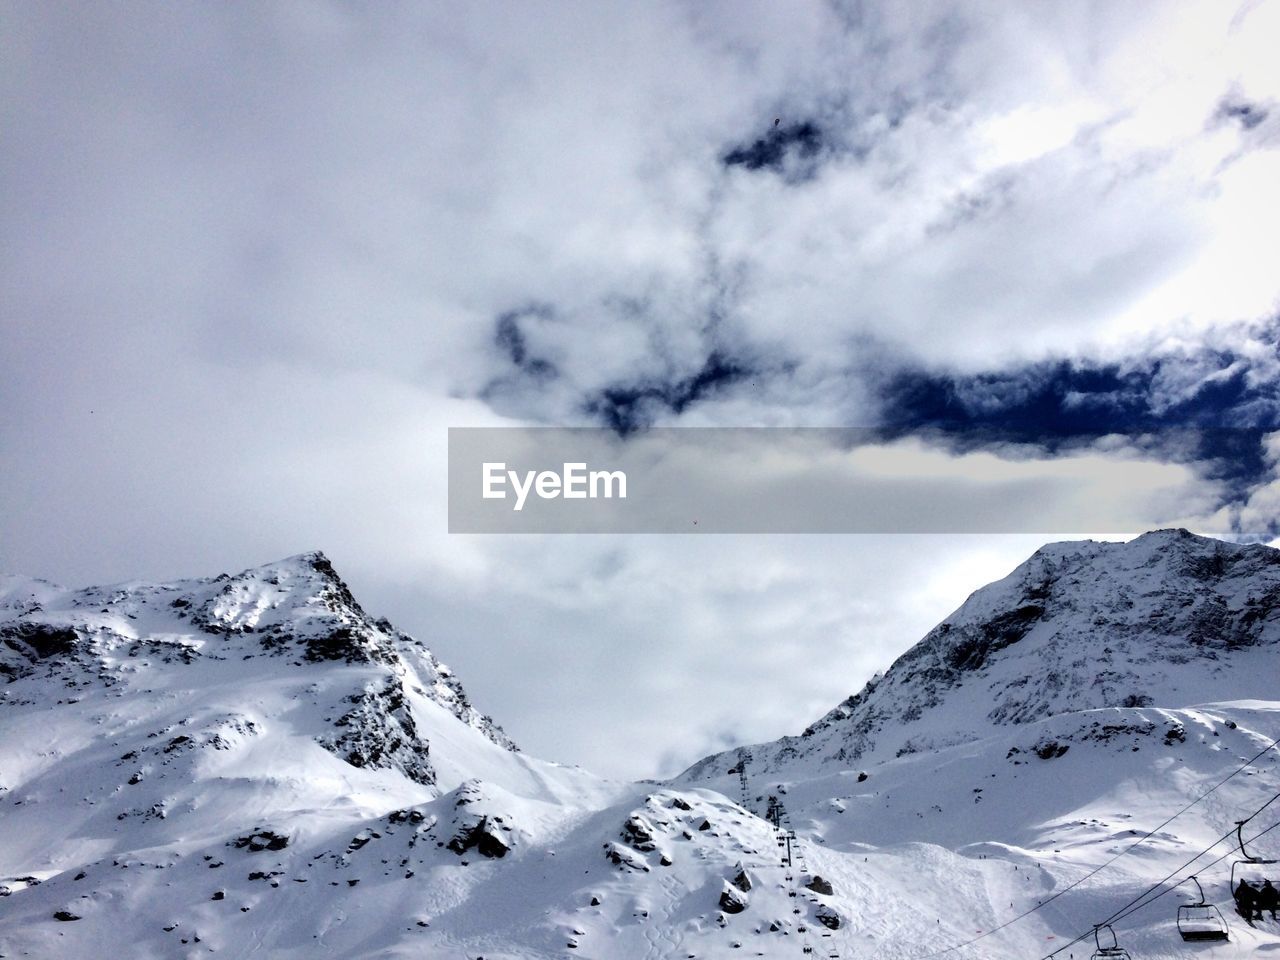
1169, 617
295, 614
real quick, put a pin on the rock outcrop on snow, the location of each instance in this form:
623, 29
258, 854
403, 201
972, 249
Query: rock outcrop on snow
479, 822
733, 900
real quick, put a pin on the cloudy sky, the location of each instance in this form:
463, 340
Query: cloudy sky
256, 259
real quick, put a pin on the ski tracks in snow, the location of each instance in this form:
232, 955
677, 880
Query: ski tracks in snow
661, 932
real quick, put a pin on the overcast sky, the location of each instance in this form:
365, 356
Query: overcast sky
257, 258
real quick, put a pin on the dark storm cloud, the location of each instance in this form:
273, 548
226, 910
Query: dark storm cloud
627, 407
511, 340
1248, 115
1211, 407
792, 150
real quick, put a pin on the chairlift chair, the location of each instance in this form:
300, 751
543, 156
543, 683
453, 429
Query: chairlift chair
1249, 868
1107, 946
1200, 920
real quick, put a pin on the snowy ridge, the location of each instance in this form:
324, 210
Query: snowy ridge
252, 766
1169, 618
168, 752
298, 608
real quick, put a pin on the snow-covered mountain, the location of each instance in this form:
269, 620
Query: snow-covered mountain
253, 766
232, 629
165, 744
1168, 619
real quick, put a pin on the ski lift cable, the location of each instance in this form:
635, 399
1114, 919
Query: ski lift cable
1138, 906
1147, 836
1135, 906
1138, 902
1145, 899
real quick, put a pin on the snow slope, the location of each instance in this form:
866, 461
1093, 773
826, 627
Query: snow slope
252, 766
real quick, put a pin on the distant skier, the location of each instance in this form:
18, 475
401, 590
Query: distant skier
1268, 899
1247, 901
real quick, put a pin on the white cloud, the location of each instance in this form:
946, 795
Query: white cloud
251, 260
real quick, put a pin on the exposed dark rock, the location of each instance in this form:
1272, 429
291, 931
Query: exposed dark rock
344, 643
732, 900
1003, 630
1050, 749
479, 823
379, 733
623, 856
40, 640
481, 837
819, 885
828, 917
638, 832
406, 816
261, 840
25, 645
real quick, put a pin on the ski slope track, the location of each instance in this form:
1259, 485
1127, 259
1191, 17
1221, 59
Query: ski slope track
253, 766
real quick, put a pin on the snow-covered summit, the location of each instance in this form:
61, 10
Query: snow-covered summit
297, 613
1169, 618
297, 609
252, 765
